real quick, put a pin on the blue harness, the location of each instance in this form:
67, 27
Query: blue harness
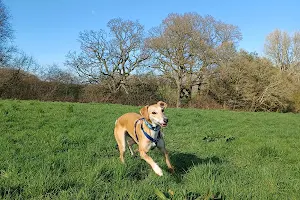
154, 128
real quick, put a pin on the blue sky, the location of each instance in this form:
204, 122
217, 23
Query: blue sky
48, 29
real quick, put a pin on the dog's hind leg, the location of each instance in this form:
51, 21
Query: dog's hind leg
131, 142
120, 138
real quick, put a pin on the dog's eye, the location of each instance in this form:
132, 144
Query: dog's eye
154, 113
162, 110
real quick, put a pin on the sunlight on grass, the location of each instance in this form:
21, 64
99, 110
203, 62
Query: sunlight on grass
67, 151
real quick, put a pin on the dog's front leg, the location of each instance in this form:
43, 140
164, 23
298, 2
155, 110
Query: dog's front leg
168, 162
161, 146
151, 162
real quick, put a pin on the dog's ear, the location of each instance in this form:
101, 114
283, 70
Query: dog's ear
144, 112
162, 104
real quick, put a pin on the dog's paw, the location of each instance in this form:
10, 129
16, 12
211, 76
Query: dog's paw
157, 170
172, 170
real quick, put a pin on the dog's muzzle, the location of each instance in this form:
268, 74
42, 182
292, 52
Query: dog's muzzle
165, 122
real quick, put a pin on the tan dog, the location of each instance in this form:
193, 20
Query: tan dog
143, 130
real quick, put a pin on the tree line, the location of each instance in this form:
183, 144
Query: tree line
188, 60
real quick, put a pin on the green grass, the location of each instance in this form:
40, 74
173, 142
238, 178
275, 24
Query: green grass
67, 151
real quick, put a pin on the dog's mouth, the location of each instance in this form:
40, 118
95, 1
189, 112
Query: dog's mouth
163, 124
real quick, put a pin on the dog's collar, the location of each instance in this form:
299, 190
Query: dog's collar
154, 128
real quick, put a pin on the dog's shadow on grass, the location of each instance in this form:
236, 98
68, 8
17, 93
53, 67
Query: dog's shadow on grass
183, 162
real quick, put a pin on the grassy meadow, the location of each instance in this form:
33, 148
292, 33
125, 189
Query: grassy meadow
54, 150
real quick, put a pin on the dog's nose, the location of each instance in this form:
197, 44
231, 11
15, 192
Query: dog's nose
166, 120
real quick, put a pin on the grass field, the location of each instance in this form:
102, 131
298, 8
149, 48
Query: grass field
67, 151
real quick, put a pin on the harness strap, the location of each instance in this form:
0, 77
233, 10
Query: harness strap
149, 137
145, 133
137, 139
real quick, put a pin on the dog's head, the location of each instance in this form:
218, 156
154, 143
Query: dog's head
155, 113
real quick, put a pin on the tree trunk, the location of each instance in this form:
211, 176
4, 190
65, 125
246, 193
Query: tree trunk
178, 101
190, 90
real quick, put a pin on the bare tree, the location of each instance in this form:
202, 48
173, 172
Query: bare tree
283, 49
112, 57
54, 73
6, 36
185, 45
10, 55
22, 61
